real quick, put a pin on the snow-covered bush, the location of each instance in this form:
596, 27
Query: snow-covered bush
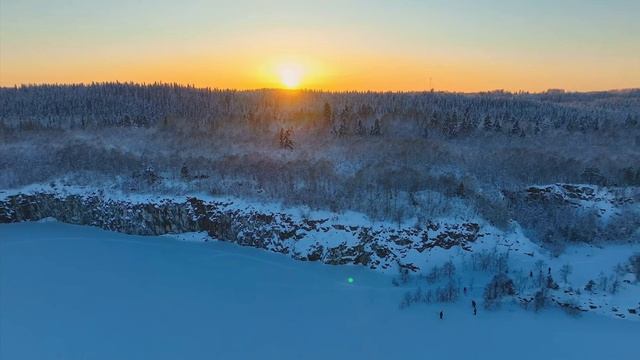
500, 286
403, 277
447, 293
490, 261
436, 273
565, 271
540, 299
634, 265
417, 296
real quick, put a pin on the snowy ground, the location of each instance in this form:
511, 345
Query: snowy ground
71, 292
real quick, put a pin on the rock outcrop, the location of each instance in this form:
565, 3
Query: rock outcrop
381, 247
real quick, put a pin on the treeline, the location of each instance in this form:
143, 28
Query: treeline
344, 113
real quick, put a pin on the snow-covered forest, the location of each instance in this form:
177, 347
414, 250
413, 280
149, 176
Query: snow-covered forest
402, 157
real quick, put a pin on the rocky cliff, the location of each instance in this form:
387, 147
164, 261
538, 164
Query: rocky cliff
319, 239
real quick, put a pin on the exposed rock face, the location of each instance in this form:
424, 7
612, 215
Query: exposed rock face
560, 213
579, 195
302, 239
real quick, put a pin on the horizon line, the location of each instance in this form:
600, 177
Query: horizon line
320, 90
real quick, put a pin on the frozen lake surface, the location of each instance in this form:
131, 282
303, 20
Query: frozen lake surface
73, 292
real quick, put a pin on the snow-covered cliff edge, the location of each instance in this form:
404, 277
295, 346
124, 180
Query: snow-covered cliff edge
324, 239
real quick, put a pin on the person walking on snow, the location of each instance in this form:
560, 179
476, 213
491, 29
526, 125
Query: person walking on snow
441, 315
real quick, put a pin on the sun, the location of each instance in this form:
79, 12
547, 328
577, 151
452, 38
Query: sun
290, 75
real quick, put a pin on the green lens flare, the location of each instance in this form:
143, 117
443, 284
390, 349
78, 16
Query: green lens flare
350, 280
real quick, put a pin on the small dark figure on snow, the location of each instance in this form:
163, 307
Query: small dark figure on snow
530, 273
549, 271
465, 290
441, 315
475, 311
473, 303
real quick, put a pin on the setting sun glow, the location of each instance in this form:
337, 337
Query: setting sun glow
392, 46
290, 75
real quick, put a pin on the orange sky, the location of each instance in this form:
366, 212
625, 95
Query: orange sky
334, 45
